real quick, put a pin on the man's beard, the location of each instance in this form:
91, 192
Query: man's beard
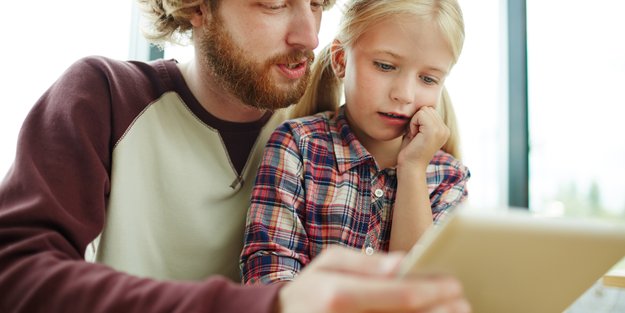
248, 80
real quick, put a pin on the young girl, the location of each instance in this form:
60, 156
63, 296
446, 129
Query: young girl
388, 156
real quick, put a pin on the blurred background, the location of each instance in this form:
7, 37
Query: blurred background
538, 90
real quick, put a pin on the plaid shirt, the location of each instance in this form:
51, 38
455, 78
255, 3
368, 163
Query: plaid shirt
317, 186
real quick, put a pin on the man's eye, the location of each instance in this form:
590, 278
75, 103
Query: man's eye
325, 4
316, 5
273, 5
383, 66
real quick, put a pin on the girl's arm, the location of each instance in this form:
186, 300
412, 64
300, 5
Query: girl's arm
276, 244
412, 212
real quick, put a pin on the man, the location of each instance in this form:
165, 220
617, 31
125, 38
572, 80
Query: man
147, 169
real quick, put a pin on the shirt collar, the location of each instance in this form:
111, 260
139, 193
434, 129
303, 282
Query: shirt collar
348, 150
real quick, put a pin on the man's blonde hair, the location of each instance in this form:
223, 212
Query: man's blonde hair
170, 20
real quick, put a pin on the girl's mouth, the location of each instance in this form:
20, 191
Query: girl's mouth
395, 116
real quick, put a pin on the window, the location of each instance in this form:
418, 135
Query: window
40, 41
576, 74
477, 86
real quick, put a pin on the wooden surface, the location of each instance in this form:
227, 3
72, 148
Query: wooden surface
615, 278
600, 299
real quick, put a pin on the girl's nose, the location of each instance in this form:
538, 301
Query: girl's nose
404, 91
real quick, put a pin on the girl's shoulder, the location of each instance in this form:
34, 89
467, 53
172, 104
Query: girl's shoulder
309, 125
446, 160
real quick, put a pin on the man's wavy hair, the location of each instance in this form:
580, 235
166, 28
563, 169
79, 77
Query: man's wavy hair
169, 20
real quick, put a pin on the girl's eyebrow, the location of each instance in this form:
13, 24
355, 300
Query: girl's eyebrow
389, 52
442, 71
436, 69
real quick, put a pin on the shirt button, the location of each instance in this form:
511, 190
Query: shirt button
378, 193
369, 251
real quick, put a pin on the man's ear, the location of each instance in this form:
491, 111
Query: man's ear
337, 56
201, 13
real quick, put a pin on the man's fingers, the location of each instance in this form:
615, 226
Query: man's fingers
345, 260
455, 306
348, 281
411, 295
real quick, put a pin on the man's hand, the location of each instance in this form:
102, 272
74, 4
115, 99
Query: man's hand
345, 281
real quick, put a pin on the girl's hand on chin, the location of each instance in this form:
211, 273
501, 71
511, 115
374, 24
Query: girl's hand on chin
425, 135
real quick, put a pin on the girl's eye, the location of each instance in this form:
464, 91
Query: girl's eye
429, 80
384, 67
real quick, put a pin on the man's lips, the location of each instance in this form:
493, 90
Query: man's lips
294, 70
296, 64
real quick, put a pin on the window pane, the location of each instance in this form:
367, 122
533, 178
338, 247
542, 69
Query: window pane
576, 96
477, 86
41, 39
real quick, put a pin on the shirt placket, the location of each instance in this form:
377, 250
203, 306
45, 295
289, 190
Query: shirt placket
379, 208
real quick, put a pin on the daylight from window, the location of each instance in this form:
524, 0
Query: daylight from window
41, 39
576, 74
576, 98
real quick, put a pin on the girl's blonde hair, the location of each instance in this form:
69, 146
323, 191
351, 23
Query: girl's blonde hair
325, 89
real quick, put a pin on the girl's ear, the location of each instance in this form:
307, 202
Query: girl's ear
197, 18
337, 56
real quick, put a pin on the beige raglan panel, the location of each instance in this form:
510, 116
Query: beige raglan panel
172, 213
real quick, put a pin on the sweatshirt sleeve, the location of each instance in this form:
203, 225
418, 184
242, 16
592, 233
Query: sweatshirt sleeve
53, 204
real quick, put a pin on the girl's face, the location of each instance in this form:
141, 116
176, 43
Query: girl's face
395, 68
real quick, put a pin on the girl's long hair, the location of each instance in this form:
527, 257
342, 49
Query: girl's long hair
325, 89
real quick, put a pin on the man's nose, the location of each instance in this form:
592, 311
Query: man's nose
304, 29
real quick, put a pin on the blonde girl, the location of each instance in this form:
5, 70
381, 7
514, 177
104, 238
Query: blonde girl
387, 157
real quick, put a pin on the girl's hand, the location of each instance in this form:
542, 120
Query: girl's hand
425, 135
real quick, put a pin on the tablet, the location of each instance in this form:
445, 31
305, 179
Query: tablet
515, 262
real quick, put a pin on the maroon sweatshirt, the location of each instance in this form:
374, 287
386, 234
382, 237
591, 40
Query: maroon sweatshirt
54, 201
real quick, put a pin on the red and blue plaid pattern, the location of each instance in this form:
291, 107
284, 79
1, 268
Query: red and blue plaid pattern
318, 186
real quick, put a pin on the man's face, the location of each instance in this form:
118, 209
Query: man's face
261, 73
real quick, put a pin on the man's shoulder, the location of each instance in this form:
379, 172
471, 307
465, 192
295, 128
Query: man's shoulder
101, 63
115, 67
134, 81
